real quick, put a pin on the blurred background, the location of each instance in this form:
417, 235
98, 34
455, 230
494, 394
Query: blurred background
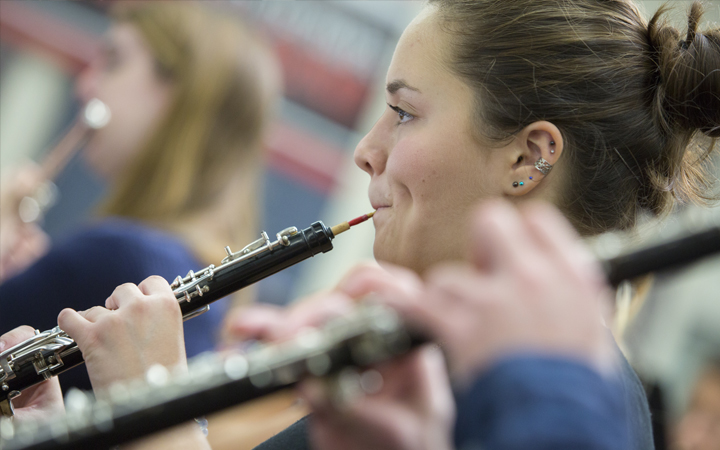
334, 55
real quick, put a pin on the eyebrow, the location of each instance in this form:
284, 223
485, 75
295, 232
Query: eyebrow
396, 85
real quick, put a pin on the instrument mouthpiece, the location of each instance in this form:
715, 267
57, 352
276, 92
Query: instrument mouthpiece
342, 227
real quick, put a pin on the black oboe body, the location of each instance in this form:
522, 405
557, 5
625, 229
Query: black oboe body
52, 352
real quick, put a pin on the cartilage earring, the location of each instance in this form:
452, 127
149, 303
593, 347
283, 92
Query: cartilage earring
552, 150
543, 166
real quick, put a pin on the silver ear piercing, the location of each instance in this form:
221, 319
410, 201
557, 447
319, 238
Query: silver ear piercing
552, 150
543, 166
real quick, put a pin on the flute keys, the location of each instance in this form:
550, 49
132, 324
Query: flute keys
236, 367
157, 376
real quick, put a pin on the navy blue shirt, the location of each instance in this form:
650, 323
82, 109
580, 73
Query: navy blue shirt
543, 404
83, 270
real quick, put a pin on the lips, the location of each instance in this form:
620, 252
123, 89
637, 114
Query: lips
378, 202
378, 199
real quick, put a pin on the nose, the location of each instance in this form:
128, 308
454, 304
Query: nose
371, 153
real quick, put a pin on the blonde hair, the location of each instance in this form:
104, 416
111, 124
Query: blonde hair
225, 82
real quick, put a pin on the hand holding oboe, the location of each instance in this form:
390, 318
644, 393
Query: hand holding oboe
139, 327
42, 401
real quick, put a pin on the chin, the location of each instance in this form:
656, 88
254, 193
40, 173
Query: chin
384, 254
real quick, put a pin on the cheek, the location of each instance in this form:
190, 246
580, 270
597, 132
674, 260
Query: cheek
439, 173
414, 168
138, 101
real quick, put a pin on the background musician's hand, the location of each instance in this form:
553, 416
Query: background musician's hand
141, 327
42, 401
273, 323
21, 244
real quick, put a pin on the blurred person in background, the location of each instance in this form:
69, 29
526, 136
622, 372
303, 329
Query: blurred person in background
699, 427
191, 94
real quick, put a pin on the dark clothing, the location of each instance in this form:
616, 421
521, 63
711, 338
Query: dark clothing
83, 271
639, 422
294, 437
531, 402
544, 404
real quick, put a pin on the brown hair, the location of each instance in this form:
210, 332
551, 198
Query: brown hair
225, 82
638, 107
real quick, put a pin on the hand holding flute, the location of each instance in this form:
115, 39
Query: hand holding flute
21, 243
530, 289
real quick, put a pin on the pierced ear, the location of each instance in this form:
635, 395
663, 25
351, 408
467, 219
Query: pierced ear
537, 149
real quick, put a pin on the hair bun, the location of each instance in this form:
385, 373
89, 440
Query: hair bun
689, 73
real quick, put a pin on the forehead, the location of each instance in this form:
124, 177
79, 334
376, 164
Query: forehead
421, 54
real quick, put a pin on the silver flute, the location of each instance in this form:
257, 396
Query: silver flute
130, 410
93, 116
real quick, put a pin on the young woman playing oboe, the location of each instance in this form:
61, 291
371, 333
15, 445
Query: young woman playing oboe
581, 103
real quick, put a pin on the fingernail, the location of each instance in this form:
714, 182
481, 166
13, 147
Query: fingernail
2, 345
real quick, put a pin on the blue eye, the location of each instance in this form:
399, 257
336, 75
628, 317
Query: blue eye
403, 115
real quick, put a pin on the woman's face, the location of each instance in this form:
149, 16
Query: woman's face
125, 79
426, 168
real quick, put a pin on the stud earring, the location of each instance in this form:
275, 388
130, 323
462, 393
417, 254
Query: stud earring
516, 184
552, 150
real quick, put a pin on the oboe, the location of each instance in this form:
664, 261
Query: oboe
52, 352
